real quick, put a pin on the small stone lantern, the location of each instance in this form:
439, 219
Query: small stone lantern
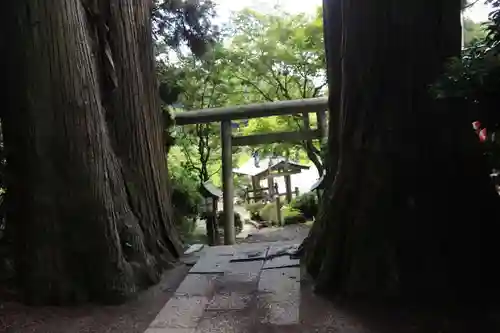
211, 195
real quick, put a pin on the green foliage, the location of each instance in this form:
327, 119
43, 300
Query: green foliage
201, 83
186, 198
269, 212
307, 204
262, 58
473, 32
292, 216
475, 77
238, 223
184, 22
474, 81
278, 57
254, 210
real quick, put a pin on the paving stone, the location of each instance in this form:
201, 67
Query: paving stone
222, 250
253, 247
278, 300
279, 284
282, 247
281, 262
181, 312
226, 322
250, 255
197, 285
170, 330
249, 267
239, 277
280, 313
211, 264
229, 277
241, 283
194, 248
211, 257
230, 301
242, 297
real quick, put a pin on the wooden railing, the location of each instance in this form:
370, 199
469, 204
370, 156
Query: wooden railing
226, 114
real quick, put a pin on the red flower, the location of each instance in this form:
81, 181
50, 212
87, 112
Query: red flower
483, 135
481, 132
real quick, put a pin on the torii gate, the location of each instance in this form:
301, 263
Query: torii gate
226, 114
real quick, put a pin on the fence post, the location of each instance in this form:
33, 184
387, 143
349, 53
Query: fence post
227, 182
278, 204
322, 126
288, 185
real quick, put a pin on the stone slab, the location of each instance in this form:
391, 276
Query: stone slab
197, 285
211, 264
245, 283
181, 312
226, 322
194, 248
170, 330
278, 297
249, 267
230, 301
281, 262
280, 284
282, 248
240, 277
250, 255
280, 313
221, 250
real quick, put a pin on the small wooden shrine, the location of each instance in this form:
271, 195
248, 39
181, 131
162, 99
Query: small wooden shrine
269, 168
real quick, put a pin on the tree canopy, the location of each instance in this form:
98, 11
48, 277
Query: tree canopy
258, 58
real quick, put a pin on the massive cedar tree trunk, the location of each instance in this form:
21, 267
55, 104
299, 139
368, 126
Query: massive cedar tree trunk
332, 28
136, 124
410, 212
87, 183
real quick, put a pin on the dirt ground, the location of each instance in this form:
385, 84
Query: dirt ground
132, 317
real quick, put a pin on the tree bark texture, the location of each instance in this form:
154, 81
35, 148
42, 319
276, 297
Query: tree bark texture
332, 28
410, 213
134, 118
87, 182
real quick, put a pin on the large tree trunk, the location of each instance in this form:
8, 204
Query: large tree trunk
81, 232
332, 27
410, 212
134, 119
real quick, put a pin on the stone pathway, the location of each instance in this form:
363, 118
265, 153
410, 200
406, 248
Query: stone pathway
223, 294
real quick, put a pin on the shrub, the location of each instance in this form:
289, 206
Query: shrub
186, 200
306, 203
254, 210
292, 216
186, 197
268, 213
238, 223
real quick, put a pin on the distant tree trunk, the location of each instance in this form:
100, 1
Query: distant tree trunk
312, 152
332, 29
410, 213
90, 210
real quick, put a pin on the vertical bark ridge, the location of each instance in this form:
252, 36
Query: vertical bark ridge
392, 219
140, 146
